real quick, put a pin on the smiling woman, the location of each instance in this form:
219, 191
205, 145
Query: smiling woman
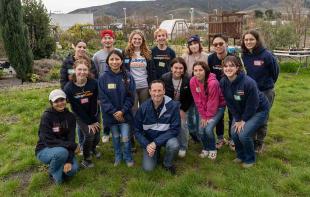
56, 145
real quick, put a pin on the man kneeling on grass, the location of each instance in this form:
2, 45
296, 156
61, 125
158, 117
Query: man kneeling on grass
157, 124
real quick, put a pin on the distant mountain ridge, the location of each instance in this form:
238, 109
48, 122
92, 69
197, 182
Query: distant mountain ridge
179, 8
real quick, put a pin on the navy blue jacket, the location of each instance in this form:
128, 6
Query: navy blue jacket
262, 66
114, 97
242, 97
162, 60
157, 126
150, 68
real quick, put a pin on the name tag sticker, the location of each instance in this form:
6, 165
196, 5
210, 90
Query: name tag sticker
126, 61
111, 86
161, 64
237, 97
70, 71
56, 129
258, 62
84, 100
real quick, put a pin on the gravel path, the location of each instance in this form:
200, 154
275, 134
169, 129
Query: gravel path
11, 84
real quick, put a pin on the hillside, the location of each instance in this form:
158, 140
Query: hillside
179, 8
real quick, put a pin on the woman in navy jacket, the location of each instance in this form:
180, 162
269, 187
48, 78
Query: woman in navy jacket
261, 66
177, 87
116, 95
249, 108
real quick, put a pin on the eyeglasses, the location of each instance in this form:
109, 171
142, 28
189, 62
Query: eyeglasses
218, 44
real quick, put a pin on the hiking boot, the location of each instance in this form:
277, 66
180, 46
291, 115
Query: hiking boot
87, 164
171, 169
130, 164
237, 160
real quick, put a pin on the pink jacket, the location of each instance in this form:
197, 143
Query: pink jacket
207, 105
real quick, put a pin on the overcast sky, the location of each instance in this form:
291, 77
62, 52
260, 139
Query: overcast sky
65, 6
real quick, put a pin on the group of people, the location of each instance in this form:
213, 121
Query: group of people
158, 100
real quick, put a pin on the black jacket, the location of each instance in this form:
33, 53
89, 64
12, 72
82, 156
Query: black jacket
186, 98
67, 68
57, 129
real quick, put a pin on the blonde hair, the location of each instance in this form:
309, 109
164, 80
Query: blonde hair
145, 51
85, 60
160, 30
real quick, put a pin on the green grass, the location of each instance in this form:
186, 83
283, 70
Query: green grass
282, 170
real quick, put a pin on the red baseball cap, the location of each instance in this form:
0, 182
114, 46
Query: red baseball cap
107, 32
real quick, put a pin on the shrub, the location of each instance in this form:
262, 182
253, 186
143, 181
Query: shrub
289, 67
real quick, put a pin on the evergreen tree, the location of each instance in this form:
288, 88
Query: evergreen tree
15, 38
38, 22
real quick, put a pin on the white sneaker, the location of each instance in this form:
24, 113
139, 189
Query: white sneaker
182, 153
105, 139
204, 154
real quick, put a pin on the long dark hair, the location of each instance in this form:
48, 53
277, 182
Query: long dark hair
181, 61
123, 69
257, 36
206, 68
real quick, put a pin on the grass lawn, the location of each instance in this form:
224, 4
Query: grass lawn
282, 170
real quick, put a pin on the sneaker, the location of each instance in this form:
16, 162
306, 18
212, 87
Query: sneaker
247, 165
259, 148
212, 154
130, 164
116, 163
204, 154
237, 160
220, 143
182, 153
105, 139
171, 169
231, 145
87, 164
96, 154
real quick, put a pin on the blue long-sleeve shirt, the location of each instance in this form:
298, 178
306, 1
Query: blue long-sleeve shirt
262, 66
242, 97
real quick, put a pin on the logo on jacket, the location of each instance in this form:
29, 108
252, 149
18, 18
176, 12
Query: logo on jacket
258, 62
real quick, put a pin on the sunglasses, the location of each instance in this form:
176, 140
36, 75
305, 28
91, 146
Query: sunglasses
218, 44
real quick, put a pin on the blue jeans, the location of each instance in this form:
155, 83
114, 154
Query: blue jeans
244, 140
193, 120
121, 131
172, 147
56, 158
183, 135
206, 133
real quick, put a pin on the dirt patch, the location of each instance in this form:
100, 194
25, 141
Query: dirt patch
9, 120
13, 84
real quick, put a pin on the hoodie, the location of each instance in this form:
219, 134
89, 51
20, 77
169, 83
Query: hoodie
261, 66
114, 97
207, 105
57, 129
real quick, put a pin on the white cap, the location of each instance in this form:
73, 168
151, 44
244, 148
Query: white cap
56, 94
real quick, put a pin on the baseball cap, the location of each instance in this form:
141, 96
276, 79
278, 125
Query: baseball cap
193, 38
56, 94
107, 32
